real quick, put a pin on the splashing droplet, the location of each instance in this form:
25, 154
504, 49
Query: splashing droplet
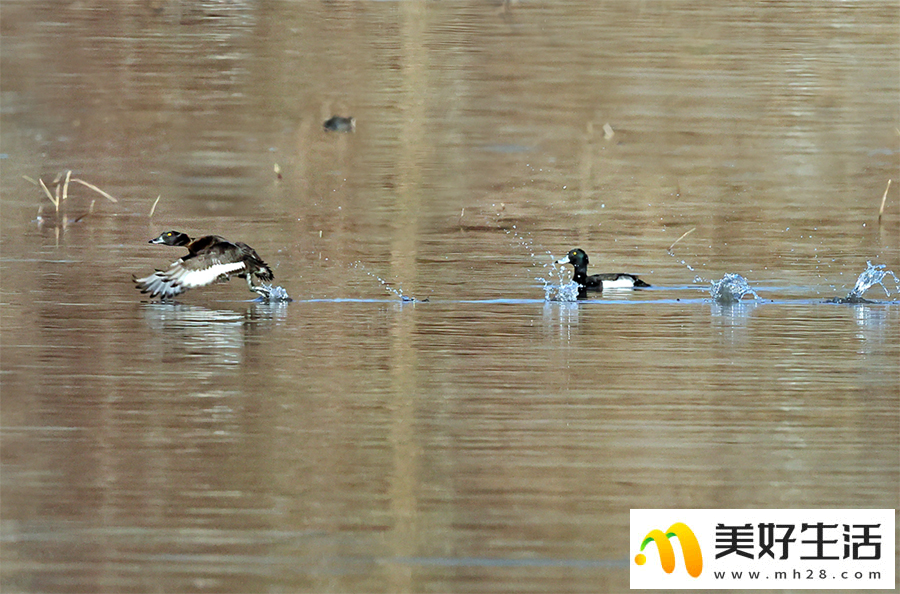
387, 286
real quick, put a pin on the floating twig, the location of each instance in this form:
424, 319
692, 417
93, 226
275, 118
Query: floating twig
28, 179
679, 239
608, 132
95, 188
883, 200
153, 208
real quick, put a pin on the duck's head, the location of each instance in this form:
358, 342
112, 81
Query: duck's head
172, 238
577, 258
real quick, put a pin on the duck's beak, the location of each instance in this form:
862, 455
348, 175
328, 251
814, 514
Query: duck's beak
156, 240
563, 260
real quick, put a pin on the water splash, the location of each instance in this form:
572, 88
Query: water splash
397, 291
525, 242
558, 289
275, 294
554, 290
561, 292
731, 289
874, 274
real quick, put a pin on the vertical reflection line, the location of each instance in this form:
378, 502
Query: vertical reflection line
411, 101
586, 181
403, 480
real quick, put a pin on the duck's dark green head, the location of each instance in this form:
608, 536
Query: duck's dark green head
576, 257
172, 238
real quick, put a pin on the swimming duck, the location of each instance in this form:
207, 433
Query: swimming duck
597, 282
339, 124
210, 258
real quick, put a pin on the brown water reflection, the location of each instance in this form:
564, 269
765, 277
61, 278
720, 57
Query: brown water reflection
486, 440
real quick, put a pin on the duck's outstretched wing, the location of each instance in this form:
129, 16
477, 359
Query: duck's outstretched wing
187, 274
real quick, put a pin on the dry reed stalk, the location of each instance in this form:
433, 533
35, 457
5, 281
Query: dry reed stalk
95, 188
679, 239
49, 195
883, 200
28, 179
66, 184
153, 208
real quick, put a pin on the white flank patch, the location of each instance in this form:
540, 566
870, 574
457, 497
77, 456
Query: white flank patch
619, 283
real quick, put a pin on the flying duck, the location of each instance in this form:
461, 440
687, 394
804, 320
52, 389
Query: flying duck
210, 258
597, 282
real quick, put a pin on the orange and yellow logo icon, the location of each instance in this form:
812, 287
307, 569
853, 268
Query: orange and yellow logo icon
690, 548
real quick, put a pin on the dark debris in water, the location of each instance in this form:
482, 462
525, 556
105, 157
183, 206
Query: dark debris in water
850, 300
340, 124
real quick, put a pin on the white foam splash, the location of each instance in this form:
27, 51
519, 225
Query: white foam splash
873, 275
731, 289
558, 290
275, 294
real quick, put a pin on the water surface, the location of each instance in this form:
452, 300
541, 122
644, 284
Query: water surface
486, 440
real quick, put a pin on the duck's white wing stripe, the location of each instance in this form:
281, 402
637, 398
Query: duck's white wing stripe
190, 279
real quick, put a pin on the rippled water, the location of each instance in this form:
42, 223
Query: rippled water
487, 439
